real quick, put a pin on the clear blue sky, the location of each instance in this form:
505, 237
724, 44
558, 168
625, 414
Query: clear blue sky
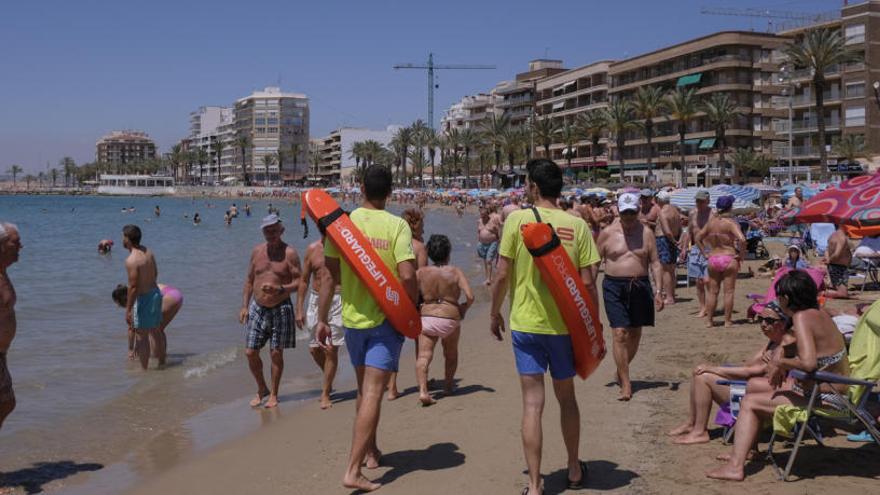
71, 70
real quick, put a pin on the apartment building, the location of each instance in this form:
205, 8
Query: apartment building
737, 63
516, 99
564, 96
468, 112
337, 164
210, 125
273, 120
123, 147
852, 105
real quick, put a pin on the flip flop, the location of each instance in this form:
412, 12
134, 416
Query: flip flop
577, 485
860, 437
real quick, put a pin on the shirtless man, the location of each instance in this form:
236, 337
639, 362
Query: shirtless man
697, 265
629, 248
488, 235
648, 210
441, 286
723, 239
838, 258
267, 312
143, 306
797, 200
10, 245
326, 357
668, 232
510, 208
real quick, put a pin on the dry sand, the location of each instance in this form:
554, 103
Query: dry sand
470, 443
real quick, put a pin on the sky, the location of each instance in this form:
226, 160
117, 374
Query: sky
73, 70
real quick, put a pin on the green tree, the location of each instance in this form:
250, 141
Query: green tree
453, 143
68, 166
819, 51
649, 104
850, 146
682, 105
202, 159
569, 136
268, 161
431, 141
243, 143
28, 179
295, 150
315, 158
14, 171
401, 142
545, 131
591, 125
53, 173
493, 128
468, 139
40, 178
417, 130
721, 112
619, 120
357, 152
217, 148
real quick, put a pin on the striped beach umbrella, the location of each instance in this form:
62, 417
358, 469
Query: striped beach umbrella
685, 199
745, 193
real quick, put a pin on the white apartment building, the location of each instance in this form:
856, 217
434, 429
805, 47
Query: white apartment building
208, 126
337, 164
468, 113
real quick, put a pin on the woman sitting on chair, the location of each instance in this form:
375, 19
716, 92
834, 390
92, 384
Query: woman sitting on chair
705, 389
820, 346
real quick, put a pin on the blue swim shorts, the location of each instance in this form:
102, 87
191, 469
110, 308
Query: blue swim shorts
378, 347
667, 250
697, 264
536, 352
488, 251
147, 310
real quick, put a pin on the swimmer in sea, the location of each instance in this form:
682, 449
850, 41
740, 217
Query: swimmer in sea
172, 300
197, 219
105, 246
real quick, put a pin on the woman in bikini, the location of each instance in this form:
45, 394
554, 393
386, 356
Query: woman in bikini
820, 346
726, 244
172, 300
441, 286
705, 389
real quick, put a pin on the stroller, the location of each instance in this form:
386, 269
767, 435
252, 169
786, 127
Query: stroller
754, 241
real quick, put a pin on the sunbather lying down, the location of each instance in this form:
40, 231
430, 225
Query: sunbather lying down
705, 388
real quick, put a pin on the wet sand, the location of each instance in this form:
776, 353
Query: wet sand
470, 443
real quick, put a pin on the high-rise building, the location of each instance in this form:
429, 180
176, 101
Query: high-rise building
468, 112
516, 99
337, 164
124, 147
211, 131
272, 121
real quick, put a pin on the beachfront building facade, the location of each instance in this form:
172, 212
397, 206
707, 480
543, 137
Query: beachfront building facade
272, 121
119, 148
468, 113
739, 64
211, 132
337, 163
516, 99
562, 98
852, 104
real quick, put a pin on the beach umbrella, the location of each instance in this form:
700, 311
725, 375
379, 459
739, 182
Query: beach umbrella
852, 202
600, 191
685, 199
788, 191
745, 193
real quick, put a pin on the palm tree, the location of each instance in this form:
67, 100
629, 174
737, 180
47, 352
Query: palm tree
510, 142
819, 50
67, 166
202, 159
851, 146
591, 125
177, 157
217, 147
649, 104
544, 131
372, 151
453, 142
28, 179
357, 152
243, 143
315, 157
721, 111
53, 173
401, 141
468, 140
268, 161
618, 120
568, 134
14, 171
493, 129
682, 105
295, 149
417, 135
431, 141
40, 178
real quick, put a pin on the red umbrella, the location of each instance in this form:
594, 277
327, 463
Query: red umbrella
853, 202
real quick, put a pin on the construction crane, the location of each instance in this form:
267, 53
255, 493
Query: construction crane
797, 18
431, 68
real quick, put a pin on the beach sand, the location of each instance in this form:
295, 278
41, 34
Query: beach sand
470, 443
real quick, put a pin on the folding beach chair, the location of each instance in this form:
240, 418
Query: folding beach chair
850, 407
728, 412
759, 300
866, 268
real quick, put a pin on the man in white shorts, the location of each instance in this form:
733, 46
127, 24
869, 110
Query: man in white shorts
326, 359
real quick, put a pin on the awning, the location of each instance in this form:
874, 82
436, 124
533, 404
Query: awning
688, 80
612, 167
692, 141
558, 105
707, 144
568, 84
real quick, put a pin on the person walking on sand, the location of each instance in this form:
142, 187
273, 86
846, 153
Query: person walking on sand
629, 249
648, 210
143, 306
441, 286
697, 264
10, 245
488, 234
538, 332
373, 344
723, 239
668, 232
273, 274
326, 357
838, 258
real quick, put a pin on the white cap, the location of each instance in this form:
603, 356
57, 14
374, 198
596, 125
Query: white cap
663, 196
628, 202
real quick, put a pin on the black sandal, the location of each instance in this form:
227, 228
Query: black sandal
577, 485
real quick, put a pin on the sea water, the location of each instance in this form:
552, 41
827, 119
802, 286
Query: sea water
78, 394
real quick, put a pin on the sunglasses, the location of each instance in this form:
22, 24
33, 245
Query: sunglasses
769, 321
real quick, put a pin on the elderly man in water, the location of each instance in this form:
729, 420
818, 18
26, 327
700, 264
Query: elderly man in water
10, 245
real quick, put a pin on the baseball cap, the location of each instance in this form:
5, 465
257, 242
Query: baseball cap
702, 194
724, 202
269, 220
646, 193
628, 202
663, 196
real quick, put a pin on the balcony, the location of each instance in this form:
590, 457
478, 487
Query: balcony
512, 102
676, 68
799, 126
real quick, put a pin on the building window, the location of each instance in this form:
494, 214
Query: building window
259, 121
855, 116
855, 89
855, 33
272, 130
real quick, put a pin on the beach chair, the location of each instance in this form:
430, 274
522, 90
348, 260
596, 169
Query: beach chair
759, 300
851, 407
867, 268
727, 412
